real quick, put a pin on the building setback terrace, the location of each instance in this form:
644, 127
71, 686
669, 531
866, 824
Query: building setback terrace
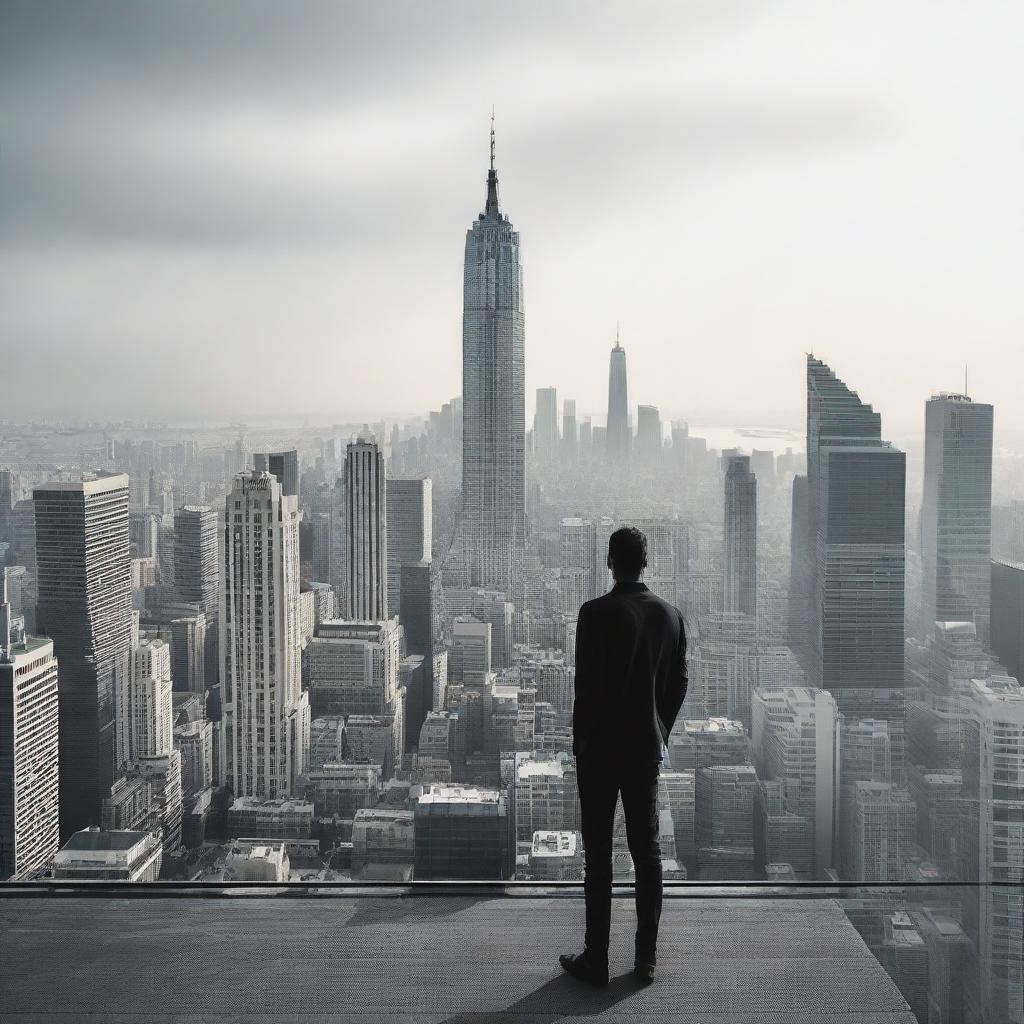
462, 955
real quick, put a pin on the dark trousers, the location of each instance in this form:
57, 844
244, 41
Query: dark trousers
599, 786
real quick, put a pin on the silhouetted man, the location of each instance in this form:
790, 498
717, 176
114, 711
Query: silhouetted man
630, 684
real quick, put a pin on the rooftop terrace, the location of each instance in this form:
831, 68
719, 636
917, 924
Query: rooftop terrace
430, 959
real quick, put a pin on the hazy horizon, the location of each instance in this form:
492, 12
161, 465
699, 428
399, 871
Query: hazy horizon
255, 211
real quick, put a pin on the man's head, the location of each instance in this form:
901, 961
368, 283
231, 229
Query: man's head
627, 554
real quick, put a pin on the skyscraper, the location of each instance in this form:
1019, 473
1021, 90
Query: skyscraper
739, 584
570, 431
545, 423
265, 715
409, 529
196, 569
956, 514
494, 399
1008, 615
29, 764
795, 737
992, 805
648, 432
365, 569
283, 465
855, 515
85, 606
618, 438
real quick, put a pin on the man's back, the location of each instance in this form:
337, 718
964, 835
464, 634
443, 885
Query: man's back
630, 675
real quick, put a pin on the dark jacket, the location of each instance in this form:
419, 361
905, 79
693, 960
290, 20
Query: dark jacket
630, 676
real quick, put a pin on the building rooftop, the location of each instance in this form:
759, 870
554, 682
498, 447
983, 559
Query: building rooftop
438, 794
95, 839
485, 959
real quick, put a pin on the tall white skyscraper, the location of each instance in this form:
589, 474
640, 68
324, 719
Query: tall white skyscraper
29, 764
365, 565
265, 715
739, 584
956, 514
409, 528
493, 400
152, 711
85, 607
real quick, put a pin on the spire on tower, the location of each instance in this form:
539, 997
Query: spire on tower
492, 138
491, 209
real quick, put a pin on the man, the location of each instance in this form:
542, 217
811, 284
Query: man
630, 684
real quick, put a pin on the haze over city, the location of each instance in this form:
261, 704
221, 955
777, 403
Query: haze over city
196, 193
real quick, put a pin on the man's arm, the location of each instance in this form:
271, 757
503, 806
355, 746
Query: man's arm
583, 683
675, 691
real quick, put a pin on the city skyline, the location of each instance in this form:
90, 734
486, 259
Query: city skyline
553, 626
214, 242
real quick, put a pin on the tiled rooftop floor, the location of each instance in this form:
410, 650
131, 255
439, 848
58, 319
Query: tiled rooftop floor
428, 960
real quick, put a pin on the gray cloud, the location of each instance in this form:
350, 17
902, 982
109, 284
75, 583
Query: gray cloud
224, 182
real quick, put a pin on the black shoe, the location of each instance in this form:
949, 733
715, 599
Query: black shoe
644, 970
583, 969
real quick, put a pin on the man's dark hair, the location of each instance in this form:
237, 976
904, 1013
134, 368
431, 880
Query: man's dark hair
627, 552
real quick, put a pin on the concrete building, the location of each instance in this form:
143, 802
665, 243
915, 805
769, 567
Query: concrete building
577, 543
29, 767
196, 565
383, 844
882, 832
189, 644
992, 807
648, 433
283, 465
725, 821
781, 836
545, 426
556, 855
938, 674
355, 667
409, 531
84, 606
264, 727
544, 795
956, 514
365, 566
270, 819
256, 860
470, 656
92, 855
695, 744
677, 794
150, 726
493, 400
795, 737
462, 832
570, 433
739, 555
339, 789
194, 741
1007, 604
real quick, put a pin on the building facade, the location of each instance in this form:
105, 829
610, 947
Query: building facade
264, 739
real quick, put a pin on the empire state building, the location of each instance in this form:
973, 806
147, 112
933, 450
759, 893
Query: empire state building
493, 399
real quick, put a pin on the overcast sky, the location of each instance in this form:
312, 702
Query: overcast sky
254, 209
